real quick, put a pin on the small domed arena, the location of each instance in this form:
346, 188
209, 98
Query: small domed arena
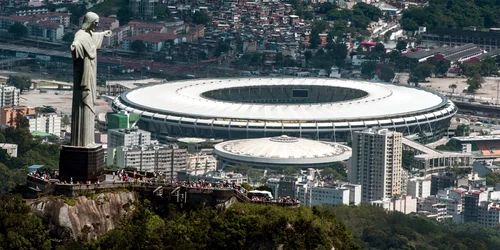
280, 152
315, 108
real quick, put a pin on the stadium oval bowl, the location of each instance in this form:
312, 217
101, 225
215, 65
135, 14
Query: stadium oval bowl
316, 108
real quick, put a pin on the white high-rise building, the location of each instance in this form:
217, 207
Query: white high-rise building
128, 137
48, 123
9, 96
376, 163
166, 159
419, 187
311, 194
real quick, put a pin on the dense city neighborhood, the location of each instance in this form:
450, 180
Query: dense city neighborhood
328, 124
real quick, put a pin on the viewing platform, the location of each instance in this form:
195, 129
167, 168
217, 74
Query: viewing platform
181, 194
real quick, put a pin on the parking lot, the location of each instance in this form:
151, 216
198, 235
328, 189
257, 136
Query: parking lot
61, 100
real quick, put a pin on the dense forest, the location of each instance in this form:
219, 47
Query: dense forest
248, 226
453, 14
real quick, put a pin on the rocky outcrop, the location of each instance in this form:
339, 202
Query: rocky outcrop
82, 217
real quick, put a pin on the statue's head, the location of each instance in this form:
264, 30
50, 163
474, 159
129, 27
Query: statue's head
90, 21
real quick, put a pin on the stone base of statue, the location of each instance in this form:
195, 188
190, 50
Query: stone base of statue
81, 164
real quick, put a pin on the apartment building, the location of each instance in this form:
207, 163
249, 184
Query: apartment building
46, 30
340, 193
167, 159
9, 96
49, 123
8, 115
419, 187
376, 163
128, 137
201, 164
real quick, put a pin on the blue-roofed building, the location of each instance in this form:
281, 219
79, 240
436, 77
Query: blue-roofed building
34, 168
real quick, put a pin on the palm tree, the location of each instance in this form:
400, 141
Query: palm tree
453, 87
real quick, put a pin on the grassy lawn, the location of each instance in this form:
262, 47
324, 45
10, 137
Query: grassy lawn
108, 7
47, 84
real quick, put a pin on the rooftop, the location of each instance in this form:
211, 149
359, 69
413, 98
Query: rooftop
283, 150
153, 37
188, 98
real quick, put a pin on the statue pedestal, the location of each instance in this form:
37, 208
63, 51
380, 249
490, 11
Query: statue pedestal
81, 164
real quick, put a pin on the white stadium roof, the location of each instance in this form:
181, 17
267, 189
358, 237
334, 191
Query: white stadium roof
283, 150
185, 99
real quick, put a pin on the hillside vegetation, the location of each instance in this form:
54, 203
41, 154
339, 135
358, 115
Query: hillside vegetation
373, 228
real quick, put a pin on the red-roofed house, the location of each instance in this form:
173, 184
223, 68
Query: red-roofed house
143, 27
48, 30
7, 21
105, 23
154, 41
61, 18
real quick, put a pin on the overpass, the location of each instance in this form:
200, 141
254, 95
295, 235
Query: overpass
36, 82
14, 62
489, 110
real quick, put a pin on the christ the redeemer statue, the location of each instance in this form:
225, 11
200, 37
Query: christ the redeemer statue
84, 51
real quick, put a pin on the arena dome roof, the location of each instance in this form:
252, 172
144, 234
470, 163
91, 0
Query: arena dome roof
283, 150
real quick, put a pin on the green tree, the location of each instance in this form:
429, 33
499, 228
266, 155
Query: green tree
337, 52
368, 10
474, 85
336, 171
77, 11
324, 8
451, 145
360, 21
368, 70
492, 179
21, 121
18, 29
45, 109
407, 159
200, 17
314, 40
222, 47
290, 170
20, 82
379, 48
462, 130
246, 186
65, 121
319, 26
489, 67
409, 24
453, 87
20, 229
442, 67
124, 15
308, 55
386, 73
401, 45
421, 72
138, 46
471, 69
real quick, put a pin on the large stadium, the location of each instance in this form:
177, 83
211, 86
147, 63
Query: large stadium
315, 108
